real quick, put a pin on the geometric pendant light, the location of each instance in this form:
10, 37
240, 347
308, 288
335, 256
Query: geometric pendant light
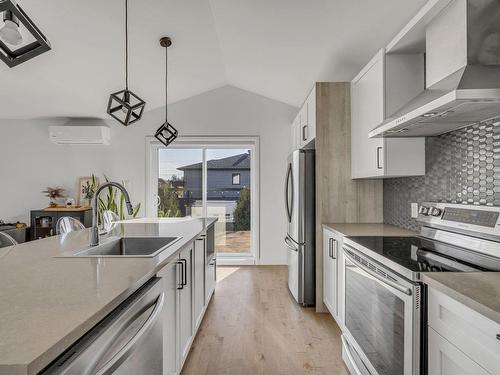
20, 39
125, 106
166, 133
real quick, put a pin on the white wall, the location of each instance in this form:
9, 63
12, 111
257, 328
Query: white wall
29, 162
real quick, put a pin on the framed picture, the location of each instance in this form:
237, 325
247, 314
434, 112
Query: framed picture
87, 186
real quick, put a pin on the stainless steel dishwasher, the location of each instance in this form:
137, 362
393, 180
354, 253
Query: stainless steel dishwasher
128, 341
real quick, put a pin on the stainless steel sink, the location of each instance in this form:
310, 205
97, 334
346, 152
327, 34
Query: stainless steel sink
143, 247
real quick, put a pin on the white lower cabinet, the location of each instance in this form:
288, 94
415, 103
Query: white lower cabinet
185, 310
210, 274
332, 252
447, 359
199, 280
209, 279
184, 281
461, 340
170, 282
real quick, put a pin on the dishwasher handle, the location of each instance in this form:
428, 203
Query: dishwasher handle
126, 351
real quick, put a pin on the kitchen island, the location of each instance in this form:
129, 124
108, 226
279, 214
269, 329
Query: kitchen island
49, 299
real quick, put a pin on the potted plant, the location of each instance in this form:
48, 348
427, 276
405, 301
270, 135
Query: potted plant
88, 186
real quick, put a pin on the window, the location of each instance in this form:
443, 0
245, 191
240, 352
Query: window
197, 178
236, 178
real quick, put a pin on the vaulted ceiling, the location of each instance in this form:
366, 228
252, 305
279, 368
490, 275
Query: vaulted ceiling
276, 48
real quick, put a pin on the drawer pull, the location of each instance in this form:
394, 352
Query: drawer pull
498, 336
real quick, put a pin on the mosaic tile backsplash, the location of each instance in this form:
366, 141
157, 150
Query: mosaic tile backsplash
461, 167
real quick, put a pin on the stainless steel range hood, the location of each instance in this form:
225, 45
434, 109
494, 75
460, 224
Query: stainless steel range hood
462, 73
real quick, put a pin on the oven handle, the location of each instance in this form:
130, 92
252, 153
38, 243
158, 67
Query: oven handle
382, 279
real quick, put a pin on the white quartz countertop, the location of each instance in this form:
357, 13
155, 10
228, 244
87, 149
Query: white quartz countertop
47, 302
368, 229
479, 291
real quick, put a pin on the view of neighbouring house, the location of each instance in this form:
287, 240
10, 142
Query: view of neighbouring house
228, 197
225, 179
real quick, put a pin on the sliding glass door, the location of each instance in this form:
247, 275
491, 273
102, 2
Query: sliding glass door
195, 179
229, 198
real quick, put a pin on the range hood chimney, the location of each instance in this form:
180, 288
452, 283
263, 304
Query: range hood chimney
462, 73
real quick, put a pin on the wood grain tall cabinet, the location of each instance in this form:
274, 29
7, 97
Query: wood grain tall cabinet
339, 198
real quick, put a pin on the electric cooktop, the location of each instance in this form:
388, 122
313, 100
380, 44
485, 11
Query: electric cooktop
413, 253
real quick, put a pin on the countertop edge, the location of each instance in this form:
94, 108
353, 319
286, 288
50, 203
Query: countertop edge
368, 229
462, 298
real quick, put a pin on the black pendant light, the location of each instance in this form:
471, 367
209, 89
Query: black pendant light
20, 39
166, 133
124, 105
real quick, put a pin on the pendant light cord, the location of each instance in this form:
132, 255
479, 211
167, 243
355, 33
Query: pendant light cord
126, 45
166, 85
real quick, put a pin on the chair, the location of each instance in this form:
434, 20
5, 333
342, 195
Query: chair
6, 240
68, 224
108, 218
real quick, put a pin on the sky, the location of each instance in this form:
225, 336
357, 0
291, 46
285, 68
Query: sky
172, 158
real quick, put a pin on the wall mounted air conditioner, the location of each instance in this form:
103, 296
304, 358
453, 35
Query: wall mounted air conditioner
80, 135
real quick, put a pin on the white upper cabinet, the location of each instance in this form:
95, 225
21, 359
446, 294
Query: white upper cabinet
309, 132
381, 88
304, 125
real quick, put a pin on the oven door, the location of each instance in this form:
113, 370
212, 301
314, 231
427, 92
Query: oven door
382, 316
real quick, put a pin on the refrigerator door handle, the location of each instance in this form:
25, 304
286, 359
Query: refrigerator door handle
290, 244
288, 201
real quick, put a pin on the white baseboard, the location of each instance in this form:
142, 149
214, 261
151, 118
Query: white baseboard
235, 261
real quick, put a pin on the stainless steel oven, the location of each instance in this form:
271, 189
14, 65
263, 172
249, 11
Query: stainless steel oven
382, 317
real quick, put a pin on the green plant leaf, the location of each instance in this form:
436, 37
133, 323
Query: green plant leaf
136, 210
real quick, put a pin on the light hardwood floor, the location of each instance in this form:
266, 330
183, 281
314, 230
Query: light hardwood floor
252, 326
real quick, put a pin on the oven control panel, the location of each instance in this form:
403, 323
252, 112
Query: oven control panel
483, 219
476, 217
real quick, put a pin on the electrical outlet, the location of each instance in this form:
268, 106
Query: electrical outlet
414, 210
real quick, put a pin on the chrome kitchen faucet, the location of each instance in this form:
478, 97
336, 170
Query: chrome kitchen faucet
94, 235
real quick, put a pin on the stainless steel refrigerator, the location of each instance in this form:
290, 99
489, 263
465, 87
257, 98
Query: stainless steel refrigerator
300, 239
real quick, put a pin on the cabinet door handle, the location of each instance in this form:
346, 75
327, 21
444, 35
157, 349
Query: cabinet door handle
184, 273
378, 157
304, 133
181, 285
498, 336
330, 247
334, 243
